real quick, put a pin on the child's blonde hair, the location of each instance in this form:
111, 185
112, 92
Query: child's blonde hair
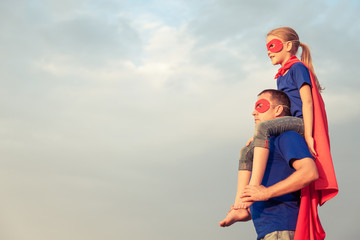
289, 34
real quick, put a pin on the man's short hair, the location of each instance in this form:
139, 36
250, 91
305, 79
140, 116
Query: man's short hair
280, 98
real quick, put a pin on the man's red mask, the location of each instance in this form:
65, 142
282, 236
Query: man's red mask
275, 45
262, 105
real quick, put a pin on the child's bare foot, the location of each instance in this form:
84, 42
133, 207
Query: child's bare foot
238, 215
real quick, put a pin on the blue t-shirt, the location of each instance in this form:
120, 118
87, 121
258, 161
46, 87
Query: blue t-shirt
280, 213
291, 82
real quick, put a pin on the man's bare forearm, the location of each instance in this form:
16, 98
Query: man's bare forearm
303, 176
305, 173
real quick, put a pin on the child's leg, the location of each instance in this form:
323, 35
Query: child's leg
263, 131
245, 170
243, 180
239, 212
259, 165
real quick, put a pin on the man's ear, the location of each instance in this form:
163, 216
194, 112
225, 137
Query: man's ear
279, 109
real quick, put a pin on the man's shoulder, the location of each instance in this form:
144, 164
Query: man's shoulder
289, 134
288, 138
292, 145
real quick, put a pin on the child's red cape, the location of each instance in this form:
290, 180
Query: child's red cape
308, 225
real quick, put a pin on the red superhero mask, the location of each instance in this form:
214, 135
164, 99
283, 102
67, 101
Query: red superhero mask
275, 45
262, 105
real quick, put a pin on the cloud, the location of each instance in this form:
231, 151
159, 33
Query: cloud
116, 108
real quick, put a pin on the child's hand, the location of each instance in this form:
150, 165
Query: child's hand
249, 141
311, 145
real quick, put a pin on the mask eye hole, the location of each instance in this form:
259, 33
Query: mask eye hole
274, 45
262, 105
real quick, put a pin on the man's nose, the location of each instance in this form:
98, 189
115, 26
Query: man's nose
254, 112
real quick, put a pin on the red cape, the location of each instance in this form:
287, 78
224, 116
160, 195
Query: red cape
308, 225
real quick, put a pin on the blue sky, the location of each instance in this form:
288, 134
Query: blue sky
124, 119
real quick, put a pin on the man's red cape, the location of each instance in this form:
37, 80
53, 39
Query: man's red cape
308, 225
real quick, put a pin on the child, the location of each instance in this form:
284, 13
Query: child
294, 79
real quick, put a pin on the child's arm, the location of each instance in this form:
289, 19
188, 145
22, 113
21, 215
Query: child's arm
308, 115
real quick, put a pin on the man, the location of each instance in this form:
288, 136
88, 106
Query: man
290, 167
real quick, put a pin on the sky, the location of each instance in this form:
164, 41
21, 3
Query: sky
124, 119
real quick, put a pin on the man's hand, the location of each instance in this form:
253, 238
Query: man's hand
254, 193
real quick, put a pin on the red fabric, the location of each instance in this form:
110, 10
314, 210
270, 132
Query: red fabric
309, 225
287, 66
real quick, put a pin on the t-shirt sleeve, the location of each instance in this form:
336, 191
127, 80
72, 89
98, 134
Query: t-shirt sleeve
301, 75
292, 146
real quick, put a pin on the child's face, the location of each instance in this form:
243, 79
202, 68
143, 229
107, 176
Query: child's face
278, 50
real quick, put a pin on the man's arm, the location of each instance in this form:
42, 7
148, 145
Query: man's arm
305, 173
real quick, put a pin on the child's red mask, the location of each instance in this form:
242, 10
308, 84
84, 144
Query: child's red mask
262, 105
275, 45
